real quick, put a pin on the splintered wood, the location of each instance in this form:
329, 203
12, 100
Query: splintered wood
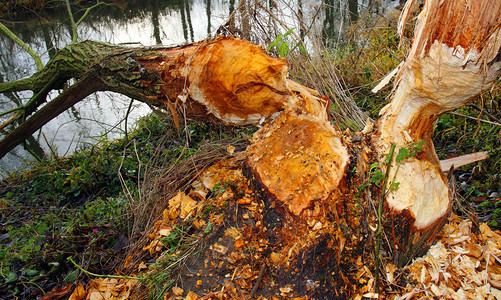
294, 216
465, 263
226, 80
238, 82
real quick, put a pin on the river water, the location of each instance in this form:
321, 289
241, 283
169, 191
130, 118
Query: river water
145, 22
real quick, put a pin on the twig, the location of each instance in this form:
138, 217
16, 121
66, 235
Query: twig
88, 10
209, 296
74, 34
258, 281
380, 213
484, 111
240, 291
10, 34
476, 119
102, 276
126, 118
11, 111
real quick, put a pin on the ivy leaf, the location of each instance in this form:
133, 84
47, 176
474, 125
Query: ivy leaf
208, 229
373, 166
11, 276
394, 185
419, 147
302, 49
377, 177
32, 272
289, 32
72, 276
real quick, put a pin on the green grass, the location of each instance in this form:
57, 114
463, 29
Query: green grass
75, 206
78, 206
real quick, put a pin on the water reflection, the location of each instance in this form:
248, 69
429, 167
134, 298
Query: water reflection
142, 22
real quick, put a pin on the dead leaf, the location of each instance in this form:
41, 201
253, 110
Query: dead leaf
79, 293
191, 296
57, 292
175, 116
390, 270
177, 291
495, 283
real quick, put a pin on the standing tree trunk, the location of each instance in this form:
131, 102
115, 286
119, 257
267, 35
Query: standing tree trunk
316, 221
455, 56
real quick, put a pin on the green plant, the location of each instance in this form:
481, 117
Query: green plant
37, 249
219, 189
376, 176
282, 47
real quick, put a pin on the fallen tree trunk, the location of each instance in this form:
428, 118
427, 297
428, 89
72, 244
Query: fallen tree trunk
330, 201
193, 81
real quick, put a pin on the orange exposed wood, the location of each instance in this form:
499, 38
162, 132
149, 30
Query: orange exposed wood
238, 81
229, 80
298, 160
467, 26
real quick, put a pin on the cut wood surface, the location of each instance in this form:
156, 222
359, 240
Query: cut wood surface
298, 160
462, 160
454, 57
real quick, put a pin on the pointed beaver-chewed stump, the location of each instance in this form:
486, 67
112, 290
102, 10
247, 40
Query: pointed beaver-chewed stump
450, 62
298, 161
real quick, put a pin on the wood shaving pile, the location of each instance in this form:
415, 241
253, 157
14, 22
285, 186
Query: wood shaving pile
464, 263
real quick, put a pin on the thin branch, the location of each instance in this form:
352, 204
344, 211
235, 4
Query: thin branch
102, 276
74, 35
33, 54
476, 119
88, 10
484, 112
84, 87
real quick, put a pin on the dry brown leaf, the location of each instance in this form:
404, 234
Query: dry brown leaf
191, 296
230, 149
177, 291
57, 292
390, 270
371, 295
79, 293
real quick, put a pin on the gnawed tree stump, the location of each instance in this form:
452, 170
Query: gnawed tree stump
454, 57
298, 161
